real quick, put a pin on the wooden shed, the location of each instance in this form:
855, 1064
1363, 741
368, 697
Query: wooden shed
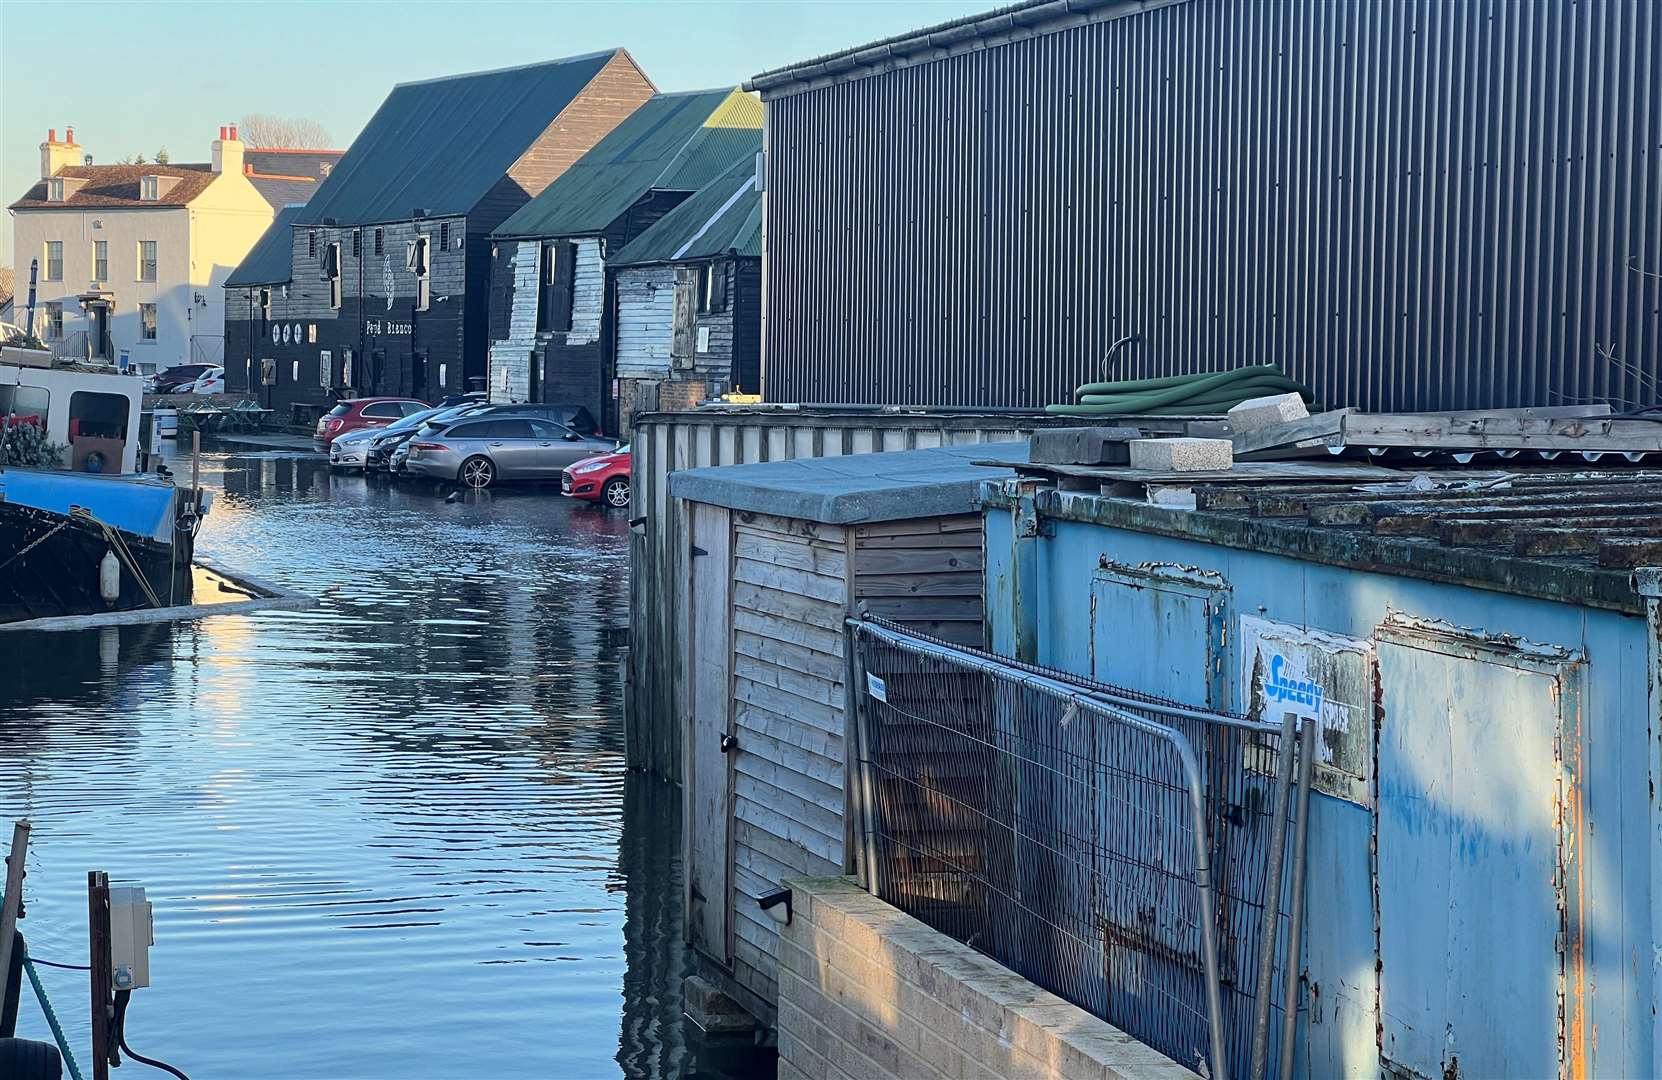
781, 553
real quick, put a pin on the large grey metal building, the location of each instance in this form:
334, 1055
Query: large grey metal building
1409, 204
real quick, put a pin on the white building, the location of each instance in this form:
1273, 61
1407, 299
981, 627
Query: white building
131, 257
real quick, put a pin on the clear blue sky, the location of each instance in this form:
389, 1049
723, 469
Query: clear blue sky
134, 76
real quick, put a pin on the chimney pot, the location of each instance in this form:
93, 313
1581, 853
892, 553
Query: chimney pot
222, 132
51, 135
233, 131
69, 136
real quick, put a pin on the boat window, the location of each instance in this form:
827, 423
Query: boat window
97, 416
24, 405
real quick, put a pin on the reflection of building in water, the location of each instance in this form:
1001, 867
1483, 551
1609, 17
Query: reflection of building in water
652, 1042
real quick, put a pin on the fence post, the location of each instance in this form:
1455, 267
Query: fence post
1272, 898
862, 772
1208, 906
1295, 917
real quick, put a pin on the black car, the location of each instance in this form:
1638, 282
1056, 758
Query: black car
178, 379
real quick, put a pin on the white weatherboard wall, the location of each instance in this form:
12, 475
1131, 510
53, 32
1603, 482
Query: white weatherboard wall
645, 322
510, 365
588, 292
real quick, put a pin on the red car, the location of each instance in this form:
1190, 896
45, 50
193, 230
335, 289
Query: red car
363, 412
603, 479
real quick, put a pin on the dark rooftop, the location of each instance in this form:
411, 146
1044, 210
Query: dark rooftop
724, 216
674, 142
269, 261
1563, 534
440, 145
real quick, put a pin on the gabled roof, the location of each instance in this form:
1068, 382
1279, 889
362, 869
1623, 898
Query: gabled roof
285, 176
269, 261
724, 216
440, 145
674, 142
118, 185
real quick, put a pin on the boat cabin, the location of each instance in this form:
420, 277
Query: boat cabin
90, 411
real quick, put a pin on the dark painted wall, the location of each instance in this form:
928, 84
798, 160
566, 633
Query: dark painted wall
1410, 205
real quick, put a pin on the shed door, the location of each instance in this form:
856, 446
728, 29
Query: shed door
1470, 898
1160, 630
706, 769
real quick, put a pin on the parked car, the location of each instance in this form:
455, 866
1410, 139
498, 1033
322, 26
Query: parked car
575, 417
389, 438
603, 479
364, 412
477, 451
211, 381
178, 379
351, 450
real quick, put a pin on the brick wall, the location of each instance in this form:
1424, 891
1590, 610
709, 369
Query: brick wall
867, 991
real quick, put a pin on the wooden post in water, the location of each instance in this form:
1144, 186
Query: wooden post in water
12, 904
196, 471
98, 932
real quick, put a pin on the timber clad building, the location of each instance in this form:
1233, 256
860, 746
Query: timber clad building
379, 284
1408, 205
552, 314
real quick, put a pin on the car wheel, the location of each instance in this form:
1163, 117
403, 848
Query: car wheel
616, 492
476, 472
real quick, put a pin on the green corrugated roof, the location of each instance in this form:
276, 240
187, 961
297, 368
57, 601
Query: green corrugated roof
441, 144
674, 142
724, 216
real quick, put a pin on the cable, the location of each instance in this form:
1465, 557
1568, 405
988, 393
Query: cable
55, 964
121, 997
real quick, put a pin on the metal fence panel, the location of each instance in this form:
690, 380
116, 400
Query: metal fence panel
1110, 847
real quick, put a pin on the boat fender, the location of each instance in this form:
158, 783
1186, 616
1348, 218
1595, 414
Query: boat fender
109, 577
93, 462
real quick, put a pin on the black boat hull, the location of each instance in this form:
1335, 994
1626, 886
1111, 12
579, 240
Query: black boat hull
49, 565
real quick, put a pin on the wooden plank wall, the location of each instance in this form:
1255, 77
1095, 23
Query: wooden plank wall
925, 573
790, 595
666, 442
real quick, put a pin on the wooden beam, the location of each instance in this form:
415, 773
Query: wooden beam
1439, 431
12, 903
1311, 433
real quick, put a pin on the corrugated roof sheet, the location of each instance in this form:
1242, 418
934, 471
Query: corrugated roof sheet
674, 142
440, 145
118, 185
724, 216
269, 261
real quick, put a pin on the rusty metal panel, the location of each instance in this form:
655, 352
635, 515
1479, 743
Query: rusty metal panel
1480, 945
1413, 205
1177, 617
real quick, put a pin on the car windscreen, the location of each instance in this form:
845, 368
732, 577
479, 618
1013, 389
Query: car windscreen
414, 420
427, 431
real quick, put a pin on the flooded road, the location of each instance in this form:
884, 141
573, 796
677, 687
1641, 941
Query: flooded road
388, 837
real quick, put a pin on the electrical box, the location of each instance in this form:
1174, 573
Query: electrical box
132, 932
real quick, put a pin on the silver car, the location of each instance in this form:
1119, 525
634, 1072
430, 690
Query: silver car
477, 452
350, 451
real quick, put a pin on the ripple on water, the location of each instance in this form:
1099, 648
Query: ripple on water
388, 837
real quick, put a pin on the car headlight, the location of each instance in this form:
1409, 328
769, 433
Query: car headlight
593, 466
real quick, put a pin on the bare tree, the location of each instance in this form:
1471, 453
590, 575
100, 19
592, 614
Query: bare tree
291, 132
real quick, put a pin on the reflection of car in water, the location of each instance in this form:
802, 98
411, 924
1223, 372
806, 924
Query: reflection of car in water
603, 479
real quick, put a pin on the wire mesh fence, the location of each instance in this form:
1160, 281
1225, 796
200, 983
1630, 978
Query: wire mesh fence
1112, 848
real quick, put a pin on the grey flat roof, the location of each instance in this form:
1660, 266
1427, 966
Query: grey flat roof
855, 488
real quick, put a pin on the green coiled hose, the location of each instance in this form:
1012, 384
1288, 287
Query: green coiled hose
1216, 392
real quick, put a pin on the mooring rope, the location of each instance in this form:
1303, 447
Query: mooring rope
51, 1017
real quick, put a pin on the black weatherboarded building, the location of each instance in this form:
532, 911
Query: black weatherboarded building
389, 262
1408, 204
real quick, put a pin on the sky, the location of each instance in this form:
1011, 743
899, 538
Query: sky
132, 77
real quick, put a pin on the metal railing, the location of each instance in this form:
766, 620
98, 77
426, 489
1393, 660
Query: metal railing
1115, 849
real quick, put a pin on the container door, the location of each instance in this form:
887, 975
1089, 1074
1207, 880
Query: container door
707, 772
1160, 629
1474, 804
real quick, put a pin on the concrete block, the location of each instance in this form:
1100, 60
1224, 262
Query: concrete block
1082, 446
712, 1010
1262, 412
1182, 455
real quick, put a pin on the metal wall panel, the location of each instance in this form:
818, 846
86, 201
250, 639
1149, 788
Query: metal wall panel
1409, 205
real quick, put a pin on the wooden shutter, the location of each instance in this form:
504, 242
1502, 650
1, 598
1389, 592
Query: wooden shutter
686, 287
560, 288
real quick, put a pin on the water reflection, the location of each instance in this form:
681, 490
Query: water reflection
388, 837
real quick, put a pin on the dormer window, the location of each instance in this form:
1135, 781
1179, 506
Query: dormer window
54, 189
149, 188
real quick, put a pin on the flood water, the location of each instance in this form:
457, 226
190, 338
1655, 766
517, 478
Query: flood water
391, 836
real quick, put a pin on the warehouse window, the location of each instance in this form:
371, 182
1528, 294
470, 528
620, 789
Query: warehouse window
557, 285
311, 243
444, 236
415, 261
379, 247
331, 271
712, 288
357, 243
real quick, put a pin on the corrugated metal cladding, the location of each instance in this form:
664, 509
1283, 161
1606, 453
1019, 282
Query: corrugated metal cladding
1410, 205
